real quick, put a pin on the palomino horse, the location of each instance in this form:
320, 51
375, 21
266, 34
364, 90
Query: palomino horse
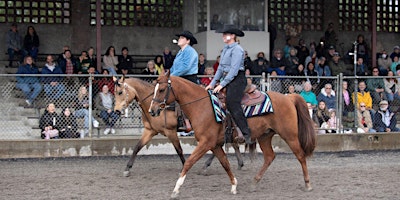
127, 90
290, 120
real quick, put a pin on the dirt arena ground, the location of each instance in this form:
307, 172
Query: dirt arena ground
347, 175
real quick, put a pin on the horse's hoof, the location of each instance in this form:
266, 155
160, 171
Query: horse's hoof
127, 173
175, 195
308, 187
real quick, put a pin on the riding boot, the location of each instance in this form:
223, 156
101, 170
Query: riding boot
187, 124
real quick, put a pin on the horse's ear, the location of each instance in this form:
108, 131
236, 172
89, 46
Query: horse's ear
167, 73
115, 79
123, 78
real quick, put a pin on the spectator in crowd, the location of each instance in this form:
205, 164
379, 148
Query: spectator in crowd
332, 122
272, 35
308, 95
84, 62
311, 58
376, 86
384, 62
322, 117
327, 95
53, 85
396, 52
302, 51
348, 106
291, 90
150, 70
275, 83
202, 64
14, 44
68, 63
322, 68
364, 120
278, 60
330, 53
392, 87
331, 37
30, 85
216, 24
49, 123
92, 57
168, 58
92, 71
216, 64
61, 56
105, 108
312, 75
158, 64
321, 47
395, 64
361, 69
110, 60
125, 61
247, 61
286, 49
258, 67
82, 110
385, 119
293, 62
362, 49
106, 79
261, 55
338, 66
68, 126
209, 71
363, 96
31, 42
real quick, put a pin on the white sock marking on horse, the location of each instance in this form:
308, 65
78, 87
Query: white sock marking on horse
234, 186
154, 96
179, 183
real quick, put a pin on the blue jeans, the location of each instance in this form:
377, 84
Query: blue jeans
391, 97
54, 92
84, 113
31, 90
106, 116
12, 52
33, 52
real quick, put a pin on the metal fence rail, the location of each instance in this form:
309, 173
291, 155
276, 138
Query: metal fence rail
21, 121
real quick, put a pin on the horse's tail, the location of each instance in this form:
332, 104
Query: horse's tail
305, 126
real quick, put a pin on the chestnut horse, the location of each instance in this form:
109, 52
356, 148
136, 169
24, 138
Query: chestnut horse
127, 90
290, 119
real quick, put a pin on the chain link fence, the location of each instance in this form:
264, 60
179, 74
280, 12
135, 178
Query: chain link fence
21, 119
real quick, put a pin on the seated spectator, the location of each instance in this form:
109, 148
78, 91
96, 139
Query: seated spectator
293, 62
322, 117
216, 64
150, 70
322, 68
338, 66
396, 52
332, 122
68, 126
105, 108
49, 123
95, 88
308, 95
30, 85
125, 61
31, 42
205, 81
110, 61
395, 64
364, 120
168, 58
247, 61
311, 58
105, 80
291, 90
302, 51
14, 44
348, 106
82, 110
376, 86
384, 62
61, 56
275, 83
278, 59
327, 95
91, 55
392, 87
363, 96
202, 64
84, 62
312, 75
69, 64
361, 69
53, 86
384, 119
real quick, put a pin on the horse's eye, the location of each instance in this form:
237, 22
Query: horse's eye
120, 93
162, 90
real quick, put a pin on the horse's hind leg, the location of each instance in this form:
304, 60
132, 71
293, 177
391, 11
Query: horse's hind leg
238, 155
146, 137
208, 162
299, 153
220, 154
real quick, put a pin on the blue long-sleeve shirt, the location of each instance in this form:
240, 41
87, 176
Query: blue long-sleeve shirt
186, 62
231, 61
28, 69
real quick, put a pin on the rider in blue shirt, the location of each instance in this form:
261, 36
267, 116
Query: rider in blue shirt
186, 61
231, 75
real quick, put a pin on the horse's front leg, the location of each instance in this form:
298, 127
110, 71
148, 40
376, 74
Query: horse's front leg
173, 137
220, 154
197, 153
146, 137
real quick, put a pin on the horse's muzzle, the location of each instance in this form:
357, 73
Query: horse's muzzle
155, 113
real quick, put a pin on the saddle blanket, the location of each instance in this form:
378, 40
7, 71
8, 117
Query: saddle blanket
249, 111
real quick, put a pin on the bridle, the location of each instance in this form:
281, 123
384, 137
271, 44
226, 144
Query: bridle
163, 103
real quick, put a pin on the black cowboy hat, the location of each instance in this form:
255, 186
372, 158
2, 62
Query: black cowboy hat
235, 31
188, 35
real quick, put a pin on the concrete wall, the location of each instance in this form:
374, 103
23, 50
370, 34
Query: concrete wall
160, 145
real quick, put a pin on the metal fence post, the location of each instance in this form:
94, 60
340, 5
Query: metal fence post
90, 105
339, 105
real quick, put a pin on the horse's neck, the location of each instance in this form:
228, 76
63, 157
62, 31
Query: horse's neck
190, 98
143, 93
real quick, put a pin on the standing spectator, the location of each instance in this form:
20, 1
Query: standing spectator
396, 52
82, 110
125, 61
110, 60
31, 42
365, 124
308, 95
384, 62
202, 64
14, 44
272, 36
68, 126
330, 35
327, 95
53, 86
158, 64
363, 96
30, 85
362, 49
392, 87
105, 107
376, 86
49, 123
168, 58
385, 119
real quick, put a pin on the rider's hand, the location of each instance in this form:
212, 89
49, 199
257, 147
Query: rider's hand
209, 87
217, 89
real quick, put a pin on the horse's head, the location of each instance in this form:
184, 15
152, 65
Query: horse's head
121, 94
163, 94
